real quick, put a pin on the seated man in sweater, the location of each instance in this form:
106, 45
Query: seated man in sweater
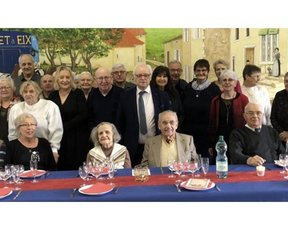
255, 143
169, 145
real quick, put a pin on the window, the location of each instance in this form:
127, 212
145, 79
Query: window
268, 43
247, 32
177, 55
186, 35
196, 33
168, 57
237, 34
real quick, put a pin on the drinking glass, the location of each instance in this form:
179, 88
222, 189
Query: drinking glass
205, 165
285, 165
170, 166
96, 170
193, 166
15, 169
5, 174
282, 158
33, 168
83, 173
179, 168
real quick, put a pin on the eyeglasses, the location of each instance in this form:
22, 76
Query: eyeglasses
106, 78
257, 113
119, 72
27, 125
142, 75
176, 70
5, 87
229, 79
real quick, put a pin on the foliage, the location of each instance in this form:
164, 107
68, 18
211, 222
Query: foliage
155, 39
79, 43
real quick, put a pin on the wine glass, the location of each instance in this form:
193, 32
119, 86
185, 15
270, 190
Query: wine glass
96, 170
205, 165
179, 168
83, 173
16, 176
193, 166
285, 166
5, 174
33, 168
170, 166
282, 157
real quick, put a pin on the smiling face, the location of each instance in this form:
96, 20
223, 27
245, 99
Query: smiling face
168, 124
6, 91
253, 115
26, 64
27, 128
105, 136
64, 80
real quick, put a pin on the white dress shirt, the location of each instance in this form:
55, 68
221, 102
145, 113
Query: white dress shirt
149, 112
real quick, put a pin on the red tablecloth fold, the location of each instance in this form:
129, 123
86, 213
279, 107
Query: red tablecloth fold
47, 184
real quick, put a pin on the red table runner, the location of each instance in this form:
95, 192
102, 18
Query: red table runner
49, 184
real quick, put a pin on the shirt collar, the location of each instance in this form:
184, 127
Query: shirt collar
147, 90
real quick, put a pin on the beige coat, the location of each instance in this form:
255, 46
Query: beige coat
185, 148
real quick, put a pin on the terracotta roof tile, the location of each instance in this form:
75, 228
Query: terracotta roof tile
129, 38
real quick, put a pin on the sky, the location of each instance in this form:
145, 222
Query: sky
143, 14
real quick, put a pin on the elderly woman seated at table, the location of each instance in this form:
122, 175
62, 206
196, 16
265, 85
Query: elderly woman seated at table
169, 145
105, 138
19, 150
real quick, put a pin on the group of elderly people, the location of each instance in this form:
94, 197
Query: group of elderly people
199, 112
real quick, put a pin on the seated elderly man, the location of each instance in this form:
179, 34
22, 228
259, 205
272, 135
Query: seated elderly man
255, 143
169, 145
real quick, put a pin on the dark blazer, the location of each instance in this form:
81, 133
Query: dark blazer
127, 116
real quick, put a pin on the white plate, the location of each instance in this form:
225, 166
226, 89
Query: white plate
277, 162
210, 185
8, 194
28, 173
99, 191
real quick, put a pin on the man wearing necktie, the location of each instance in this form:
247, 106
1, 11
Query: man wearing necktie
255, 143
169, 146
138, 110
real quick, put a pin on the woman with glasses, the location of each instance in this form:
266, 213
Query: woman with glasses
46, 113
196, 105
19, 150
7, 100
226, 111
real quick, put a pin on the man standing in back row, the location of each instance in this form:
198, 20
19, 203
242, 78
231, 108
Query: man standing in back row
26, 64
138, 111
175, 68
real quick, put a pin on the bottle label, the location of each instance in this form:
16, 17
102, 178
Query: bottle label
221, 166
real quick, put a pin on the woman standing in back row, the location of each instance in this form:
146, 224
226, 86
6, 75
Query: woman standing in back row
72, 104
196, 105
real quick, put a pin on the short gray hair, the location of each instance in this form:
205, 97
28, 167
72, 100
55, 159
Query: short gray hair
8, 79
94, 133
117, 66
228, 73
165, 112
21, 118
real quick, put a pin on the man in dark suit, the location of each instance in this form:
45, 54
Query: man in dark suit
130, 115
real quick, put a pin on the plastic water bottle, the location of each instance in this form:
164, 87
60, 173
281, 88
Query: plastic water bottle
221, 158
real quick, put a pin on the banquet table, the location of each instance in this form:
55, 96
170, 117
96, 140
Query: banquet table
242, 184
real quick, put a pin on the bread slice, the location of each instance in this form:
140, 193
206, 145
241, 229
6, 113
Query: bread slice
198, 183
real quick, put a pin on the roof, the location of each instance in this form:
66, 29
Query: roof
129, 38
